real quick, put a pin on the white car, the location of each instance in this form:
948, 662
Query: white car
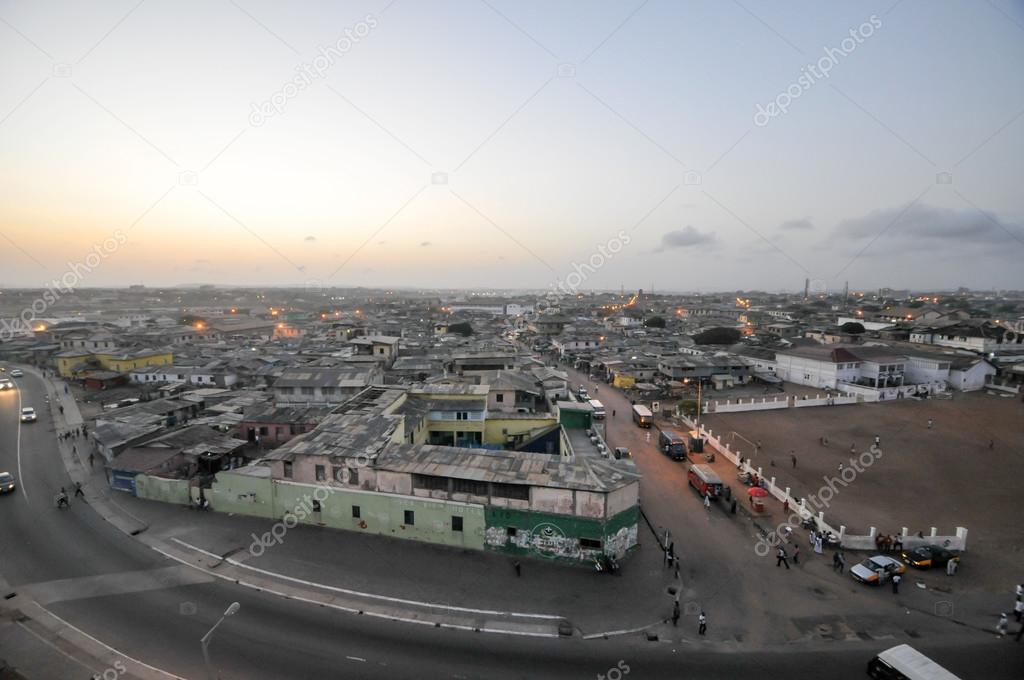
16, 373
28, 415
6, 384
867, 571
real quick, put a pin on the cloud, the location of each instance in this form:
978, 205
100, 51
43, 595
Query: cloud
309, 239
802, 224
424, 244
932, 226
685, 238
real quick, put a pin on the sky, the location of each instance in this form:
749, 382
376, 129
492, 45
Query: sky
681, 146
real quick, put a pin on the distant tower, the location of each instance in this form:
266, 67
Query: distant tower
807, 288
846, 293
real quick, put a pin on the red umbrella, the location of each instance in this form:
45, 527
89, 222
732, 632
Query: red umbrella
757, 492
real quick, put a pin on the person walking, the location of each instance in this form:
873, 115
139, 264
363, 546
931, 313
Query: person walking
842, 562
675, 614
878, 440
707, 501
781, 558
840, 469
819, 545
1018, 610
793, 458
518, 567
92, 459
1003, 625
785, 506
796, 555
702, 623
991, 444
61, 407
853, 448
951, 568
78, 490
613, 413
930, 421
896, 578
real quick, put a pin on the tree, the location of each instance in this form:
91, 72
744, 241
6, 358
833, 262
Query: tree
852, 327
655, 322
718, 336
462, 328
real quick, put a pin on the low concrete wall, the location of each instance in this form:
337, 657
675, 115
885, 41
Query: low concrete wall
766, 404
162, 489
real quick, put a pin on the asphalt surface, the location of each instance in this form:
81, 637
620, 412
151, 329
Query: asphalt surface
155, 610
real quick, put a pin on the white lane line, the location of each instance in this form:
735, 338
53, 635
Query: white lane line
115, 651
350, 610
356, 593
21, 477
355, 658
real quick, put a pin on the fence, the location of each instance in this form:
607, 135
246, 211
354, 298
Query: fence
798, 506
765, 404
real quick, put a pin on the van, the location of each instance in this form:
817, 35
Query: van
672, 444
903, 662
642, 416
598, 409
705, 481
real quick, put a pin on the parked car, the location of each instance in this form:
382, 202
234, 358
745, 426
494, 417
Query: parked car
928, 556
16, 373
6, 482
867, 571
28, 415
622, 452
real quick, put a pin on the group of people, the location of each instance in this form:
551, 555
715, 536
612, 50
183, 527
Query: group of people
889, 543
1018, 612
702, 619
73, 433
62, 497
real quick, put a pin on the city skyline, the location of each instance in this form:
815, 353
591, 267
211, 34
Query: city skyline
489, 145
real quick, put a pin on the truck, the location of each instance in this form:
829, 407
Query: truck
672, 444
598, 408
642, 416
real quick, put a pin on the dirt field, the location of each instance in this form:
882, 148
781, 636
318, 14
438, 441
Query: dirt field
943, 477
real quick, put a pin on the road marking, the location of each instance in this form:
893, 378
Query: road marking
386, 598
81, 632
21, 477
330, 605
355, 658
119, 583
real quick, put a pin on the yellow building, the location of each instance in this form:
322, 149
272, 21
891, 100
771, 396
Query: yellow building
73, 363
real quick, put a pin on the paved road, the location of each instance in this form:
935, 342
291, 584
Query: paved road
151, 609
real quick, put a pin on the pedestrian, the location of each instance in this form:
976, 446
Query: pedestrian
1018, 610
896, 578
842, 562
796, 555
707, 501
677, 569
648, 436
781, 558
793, 458
897, 543
1020, 591
675, 613
991, 444
61, 407
951, 568
65, 389
78, 490
878, 440
702, 623
818, 545
671, 553
1003, 625
929, 423
74, 450
613, 413
840, 470
518, 568
811, 536
835, 561
92, 459
785, 507
853, 448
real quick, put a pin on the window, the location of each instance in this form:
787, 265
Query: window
338, 474
469, 486
280, 432
590, 543
287, 470
308, 391
316, 507
353, 476
356, 512
515, 491
321, 474
456, 523
263, 430
499, 397
410, 518
461, 415
430, 482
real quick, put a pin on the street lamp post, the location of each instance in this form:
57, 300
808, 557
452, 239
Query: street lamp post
205, 641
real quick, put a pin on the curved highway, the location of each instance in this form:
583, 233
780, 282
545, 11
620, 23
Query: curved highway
155, 610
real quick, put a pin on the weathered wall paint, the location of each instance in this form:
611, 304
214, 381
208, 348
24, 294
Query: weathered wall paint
558, 536
162, 489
